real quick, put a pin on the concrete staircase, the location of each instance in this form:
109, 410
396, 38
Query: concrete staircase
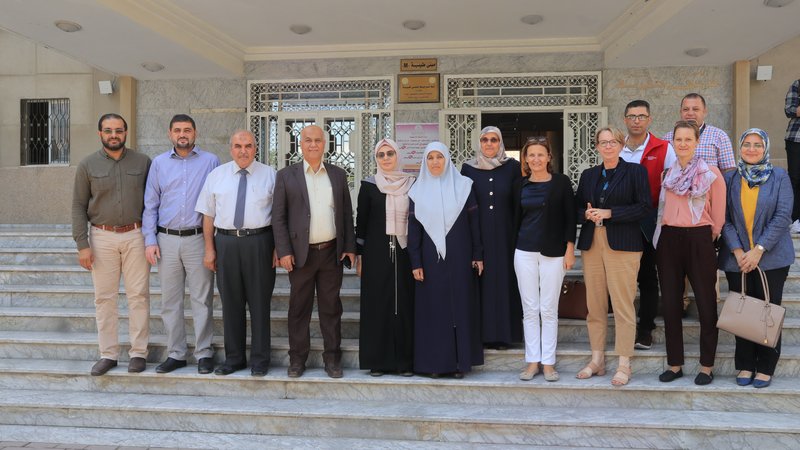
48, 343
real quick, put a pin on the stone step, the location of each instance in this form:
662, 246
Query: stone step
66, 296
489, 388
82, 320
625, 427
571, 356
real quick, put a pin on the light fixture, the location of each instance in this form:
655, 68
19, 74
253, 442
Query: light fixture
67, 26
300, 29
777, 3
696, 52
152, 66
413, 24
532, 19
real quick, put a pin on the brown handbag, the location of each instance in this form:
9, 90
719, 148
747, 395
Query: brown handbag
572, 300
751, 318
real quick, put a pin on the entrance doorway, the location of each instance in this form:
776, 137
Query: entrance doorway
517, 127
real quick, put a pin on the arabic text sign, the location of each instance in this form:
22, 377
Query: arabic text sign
419, 65
412, 138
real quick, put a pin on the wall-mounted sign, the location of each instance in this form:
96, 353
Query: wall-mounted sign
419, 65
418, 88
412, 138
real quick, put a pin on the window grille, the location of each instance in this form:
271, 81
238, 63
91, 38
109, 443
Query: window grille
44, 131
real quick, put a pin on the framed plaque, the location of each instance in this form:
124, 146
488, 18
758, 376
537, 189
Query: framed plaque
418, 88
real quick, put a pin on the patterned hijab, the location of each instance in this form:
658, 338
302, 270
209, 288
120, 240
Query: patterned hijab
480, 161
438, 201
395, 184
758, 173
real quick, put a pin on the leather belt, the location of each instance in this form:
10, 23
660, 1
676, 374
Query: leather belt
181, 233
244, 231
322, 245
119, 228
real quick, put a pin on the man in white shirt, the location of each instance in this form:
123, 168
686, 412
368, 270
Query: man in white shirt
236, 202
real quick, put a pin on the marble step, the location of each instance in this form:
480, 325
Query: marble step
110, 438
624, 427
83, 320
66, 296
571, 356
488, 388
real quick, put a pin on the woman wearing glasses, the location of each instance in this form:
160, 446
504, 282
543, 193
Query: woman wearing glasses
691, 212
545, 250
494, 175
612, 198
386, 337
756, 233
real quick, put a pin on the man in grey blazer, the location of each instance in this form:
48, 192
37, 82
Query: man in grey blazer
313, 222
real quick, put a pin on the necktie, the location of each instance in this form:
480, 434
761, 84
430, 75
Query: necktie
238, 215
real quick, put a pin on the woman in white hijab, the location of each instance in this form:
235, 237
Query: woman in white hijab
446, 256
386, 334
494, 176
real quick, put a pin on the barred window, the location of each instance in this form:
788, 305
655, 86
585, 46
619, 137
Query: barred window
45, 131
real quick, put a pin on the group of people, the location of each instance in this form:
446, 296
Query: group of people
450, 262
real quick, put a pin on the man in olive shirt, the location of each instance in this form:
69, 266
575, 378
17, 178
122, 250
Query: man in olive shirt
109, 195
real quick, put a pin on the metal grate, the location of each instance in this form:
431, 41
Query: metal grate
44, 131
523, 90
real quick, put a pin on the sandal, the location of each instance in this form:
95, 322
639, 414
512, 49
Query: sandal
552, 375
527, 375
591, 370
622, 377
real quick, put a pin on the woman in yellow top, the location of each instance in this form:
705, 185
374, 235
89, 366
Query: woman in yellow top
756, 233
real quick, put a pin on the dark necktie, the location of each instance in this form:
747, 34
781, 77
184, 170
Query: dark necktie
241, 195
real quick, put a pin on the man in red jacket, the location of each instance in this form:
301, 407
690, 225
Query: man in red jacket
642, 147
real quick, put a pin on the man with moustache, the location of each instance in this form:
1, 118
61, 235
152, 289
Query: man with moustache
109, 195
714, 145
313, 236
173, 233
236, 201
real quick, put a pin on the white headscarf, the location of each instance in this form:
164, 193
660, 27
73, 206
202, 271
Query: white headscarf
438, 201
395, 185
480, 161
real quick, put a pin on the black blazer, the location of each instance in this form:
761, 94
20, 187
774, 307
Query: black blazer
628, 197
559, 215
291, 213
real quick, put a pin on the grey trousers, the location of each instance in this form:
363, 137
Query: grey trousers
181, 267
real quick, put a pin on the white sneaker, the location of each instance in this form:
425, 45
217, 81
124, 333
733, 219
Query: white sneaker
795, 226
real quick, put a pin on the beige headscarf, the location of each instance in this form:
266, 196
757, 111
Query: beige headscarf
395, 185
480, 161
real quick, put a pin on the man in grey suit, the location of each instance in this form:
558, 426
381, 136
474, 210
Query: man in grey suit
313, 222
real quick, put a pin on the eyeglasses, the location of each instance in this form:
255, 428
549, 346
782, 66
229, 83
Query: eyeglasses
637, 117
536, 140
109, 131
608, 143
388, 154
493, 140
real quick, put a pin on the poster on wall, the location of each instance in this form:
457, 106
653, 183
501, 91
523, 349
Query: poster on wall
412, 139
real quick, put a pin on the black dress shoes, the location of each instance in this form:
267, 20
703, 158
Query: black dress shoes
334, 370
136, 365
295, 370
205, 365
668, 375
259, 371
103, 366
225, 369
169, 365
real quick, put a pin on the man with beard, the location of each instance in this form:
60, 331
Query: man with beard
173, 232
109, 195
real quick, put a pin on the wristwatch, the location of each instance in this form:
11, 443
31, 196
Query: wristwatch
761, 247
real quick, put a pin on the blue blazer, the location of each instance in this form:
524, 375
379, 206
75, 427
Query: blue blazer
628, 197
770, 227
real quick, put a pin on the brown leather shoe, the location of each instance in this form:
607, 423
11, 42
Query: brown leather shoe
295, 370
334, 370
136, 365
103, 366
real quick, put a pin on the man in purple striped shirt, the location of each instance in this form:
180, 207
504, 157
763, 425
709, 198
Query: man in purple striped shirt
173, 234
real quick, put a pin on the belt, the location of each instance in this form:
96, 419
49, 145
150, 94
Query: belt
181, 233
119, 228
322, 245
244, 231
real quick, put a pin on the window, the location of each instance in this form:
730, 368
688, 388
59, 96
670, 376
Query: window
45, 131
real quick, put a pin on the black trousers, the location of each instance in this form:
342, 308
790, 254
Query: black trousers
323, 272
245, 277
688, 252
749, 355
648, 289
